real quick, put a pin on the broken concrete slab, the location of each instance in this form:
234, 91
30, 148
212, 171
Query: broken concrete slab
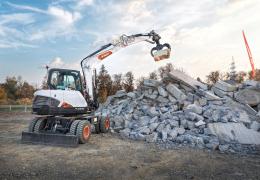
162, 99
210, 96
228, 132
162, 91
194, 108
152, 137
120, 93
248, 96
221, 93
251, 83
200, 123
255, 126
181, 113
249, 110
225, 86
176, 92
151, 82
178, 76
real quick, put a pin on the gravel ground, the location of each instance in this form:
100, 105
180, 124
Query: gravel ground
108, 156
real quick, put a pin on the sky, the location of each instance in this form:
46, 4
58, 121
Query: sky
204, 35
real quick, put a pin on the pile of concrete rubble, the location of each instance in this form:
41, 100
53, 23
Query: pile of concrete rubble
178, 110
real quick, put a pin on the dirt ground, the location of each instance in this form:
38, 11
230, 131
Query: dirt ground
108, 156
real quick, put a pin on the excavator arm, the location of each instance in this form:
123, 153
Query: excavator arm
159, 52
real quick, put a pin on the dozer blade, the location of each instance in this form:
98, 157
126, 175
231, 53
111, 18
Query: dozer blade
49, 139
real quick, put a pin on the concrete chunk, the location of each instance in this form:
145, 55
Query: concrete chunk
151, 82
248, 96
225, 86
162, 91
255, 125
221, 93
152, 137
185, 79
178, 94
251, 83
228, 132
200, 123
162, 99
194, 108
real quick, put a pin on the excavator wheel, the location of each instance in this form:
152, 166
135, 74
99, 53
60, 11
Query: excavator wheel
73, 127
83, 131
32, 124
104, 124
39, 125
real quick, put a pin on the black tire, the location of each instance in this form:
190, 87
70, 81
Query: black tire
32, 124
39, 126
104, 124
83, 131
73, 127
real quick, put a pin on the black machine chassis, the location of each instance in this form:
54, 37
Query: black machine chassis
65, 122
60, 135
56, 111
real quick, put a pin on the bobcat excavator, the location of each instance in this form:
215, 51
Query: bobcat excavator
65, 112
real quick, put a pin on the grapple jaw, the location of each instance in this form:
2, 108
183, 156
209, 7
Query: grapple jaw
160, 51
161, 54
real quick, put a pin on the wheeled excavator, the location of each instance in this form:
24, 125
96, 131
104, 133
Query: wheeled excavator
66, 111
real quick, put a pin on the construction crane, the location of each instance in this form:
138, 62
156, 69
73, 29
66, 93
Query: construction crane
65, 112
249, 55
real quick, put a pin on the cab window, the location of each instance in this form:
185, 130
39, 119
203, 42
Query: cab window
65, 80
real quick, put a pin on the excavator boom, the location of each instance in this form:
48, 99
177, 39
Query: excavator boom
159, 52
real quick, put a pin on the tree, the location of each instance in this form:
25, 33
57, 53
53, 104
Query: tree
3, 96
257, 75
169, 67
104, 84
213, 77
165, 69
140, 81
25, 90
128, 82
153, 75
117, 83
44, 83
10, 87
240, 77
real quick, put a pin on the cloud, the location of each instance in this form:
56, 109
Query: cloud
57, 62
85, 3
59, 22
10, 36
20, 18
29, 8
65, 16
204, 35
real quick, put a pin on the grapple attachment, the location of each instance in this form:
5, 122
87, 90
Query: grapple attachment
161, 54
160, 51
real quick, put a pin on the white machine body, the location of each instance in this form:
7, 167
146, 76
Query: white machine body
72, 97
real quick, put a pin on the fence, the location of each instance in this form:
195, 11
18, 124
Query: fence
15, 108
